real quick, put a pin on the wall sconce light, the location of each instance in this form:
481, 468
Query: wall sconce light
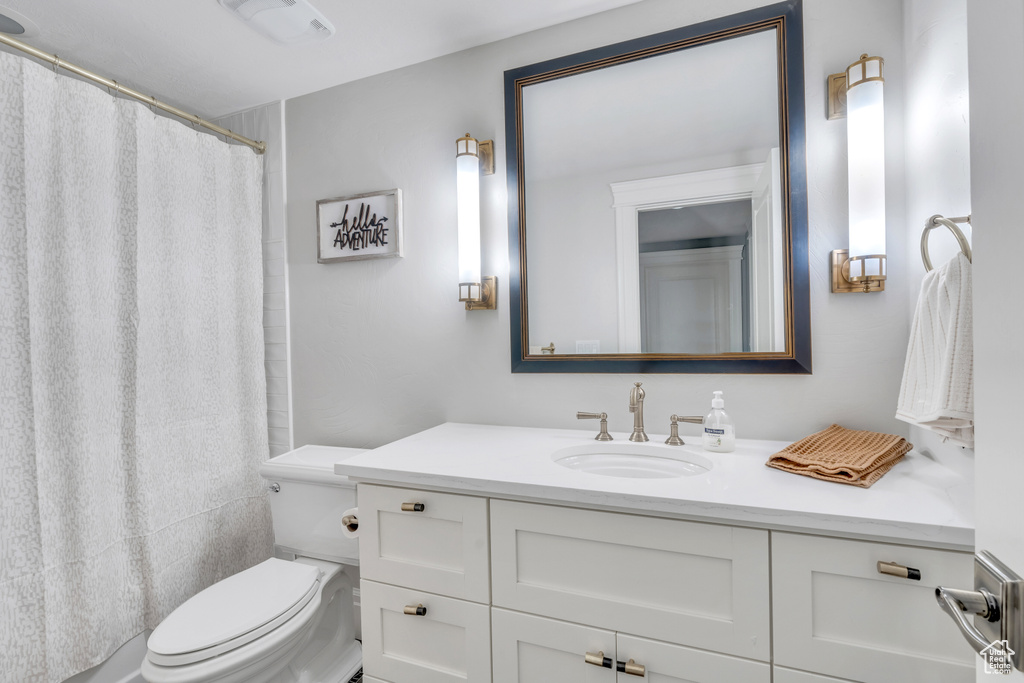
473, 158
861, 268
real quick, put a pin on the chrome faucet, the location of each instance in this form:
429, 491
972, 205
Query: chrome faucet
636, 406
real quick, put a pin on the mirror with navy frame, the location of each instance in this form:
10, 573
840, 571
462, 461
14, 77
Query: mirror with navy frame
658, 203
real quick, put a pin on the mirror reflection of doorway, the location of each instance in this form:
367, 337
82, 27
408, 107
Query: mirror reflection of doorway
700, 261
694, 278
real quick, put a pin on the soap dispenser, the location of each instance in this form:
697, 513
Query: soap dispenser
719, 431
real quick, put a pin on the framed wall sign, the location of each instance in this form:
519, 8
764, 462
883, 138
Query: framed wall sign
362, 226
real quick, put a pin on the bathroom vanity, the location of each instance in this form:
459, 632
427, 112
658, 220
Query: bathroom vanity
510, 554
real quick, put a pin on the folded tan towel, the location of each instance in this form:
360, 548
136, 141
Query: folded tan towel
842, 455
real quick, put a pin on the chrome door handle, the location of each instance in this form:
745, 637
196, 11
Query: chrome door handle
958, 604
996, 605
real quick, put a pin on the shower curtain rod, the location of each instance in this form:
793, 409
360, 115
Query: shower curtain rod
258, 147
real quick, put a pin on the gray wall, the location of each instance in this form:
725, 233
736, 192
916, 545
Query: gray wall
937, 152
382, 349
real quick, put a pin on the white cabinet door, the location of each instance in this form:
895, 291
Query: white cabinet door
704, 585
441, 548
834, 613
531, 649
791, 676
666, 663
528, 649
449, 643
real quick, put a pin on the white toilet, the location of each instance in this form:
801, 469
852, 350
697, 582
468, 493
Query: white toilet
282, 621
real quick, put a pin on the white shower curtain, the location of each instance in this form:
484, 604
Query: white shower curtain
132, 386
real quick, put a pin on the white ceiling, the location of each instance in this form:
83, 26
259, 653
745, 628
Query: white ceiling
198, 56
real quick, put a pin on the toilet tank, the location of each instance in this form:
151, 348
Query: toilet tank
308, 500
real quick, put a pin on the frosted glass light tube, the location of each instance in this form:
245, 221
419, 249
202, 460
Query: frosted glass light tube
467, 168
865, 135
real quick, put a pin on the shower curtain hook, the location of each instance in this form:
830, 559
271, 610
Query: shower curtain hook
55, 64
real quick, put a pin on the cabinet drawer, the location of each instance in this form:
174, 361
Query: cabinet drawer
834, 612
441, 549
700, 584
450, 643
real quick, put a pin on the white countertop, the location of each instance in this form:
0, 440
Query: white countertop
919, 501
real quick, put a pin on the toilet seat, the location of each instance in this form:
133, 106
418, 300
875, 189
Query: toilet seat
237, 611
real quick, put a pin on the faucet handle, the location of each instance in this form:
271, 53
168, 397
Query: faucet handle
673, 437
603, 435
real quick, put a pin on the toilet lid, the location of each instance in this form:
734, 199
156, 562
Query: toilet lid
235, 606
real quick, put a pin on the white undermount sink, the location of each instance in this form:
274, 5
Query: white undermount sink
632, 461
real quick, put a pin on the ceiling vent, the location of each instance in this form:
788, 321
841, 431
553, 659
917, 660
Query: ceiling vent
14, 24
284, 21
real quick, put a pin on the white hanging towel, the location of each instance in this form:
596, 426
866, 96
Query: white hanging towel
938, 379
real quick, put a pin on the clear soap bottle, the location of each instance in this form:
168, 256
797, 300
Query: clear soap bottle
719, 431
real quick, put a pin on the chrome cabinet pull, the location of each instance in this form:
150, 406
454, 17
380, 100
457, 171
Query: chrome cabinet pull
413, 507
632, 668
893, 569
415, 610
598, 659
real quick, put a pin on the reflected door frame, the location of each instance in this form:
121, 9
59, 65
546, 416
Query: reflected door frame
630, 197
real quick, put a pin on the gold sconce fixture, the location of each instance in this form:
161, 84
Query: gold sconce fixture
857, 94
473, 159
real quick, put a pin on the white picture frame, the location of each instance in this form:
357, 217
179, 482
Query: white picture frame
359, 227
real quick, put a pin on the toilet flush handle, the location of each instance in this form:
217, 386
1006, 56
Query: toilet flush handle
275, 487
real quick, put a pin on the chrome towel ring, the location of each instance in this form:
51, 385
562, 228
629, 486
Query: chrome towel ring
951, 223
